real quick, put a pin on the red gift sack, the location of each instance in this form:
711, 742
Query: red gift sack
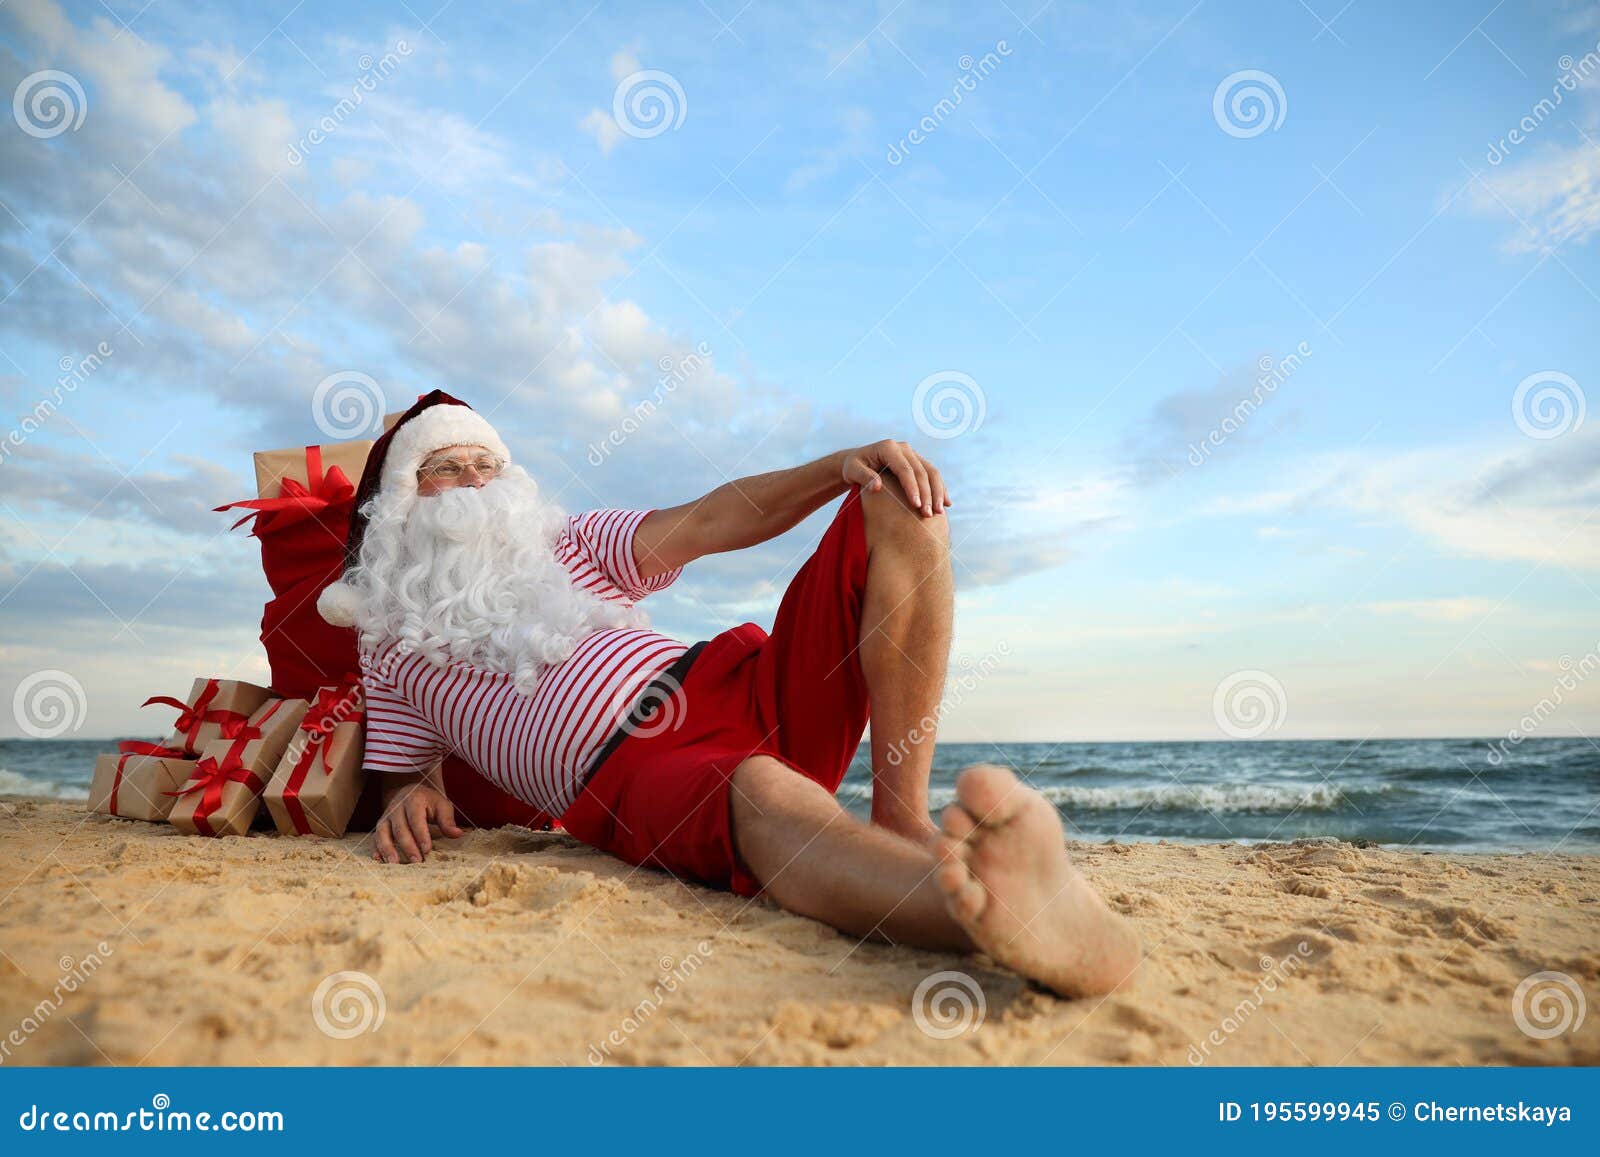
302, 534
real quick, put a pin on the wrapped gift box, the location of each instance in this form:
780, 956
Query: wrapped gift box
135, 783
320, 777
223, 792
215, 709
318, 783
308, 467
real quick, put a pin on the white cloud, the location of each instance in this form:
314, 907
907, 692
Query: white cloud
245, 291
855, 140
1547, 186
222, 64
1447, 610
40, 477
258, 133
599, 122
1551, 199
121, 68
625, 63
1255, 502
601, 125
350, 171
1538, 501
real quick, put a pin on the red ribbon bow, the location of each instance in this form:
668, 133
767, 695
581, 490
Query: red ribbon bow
192, 715
331, 708
243, 732
296, 500
210, 776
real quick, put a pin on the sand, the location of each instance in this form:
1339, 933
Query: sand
128, 943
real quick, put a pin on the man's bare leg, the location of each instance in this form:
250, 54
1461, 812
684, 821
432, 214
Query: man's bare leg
1001, 882
816, 859
906, 615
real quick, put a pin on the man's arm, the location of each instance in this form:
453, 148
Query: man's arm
752, 510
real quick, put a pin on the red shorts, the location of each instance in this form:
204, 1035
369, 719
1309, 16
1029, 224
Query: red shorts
662, 796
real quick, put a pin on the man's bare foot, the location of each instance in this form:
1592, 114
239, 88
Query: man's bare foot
1009, 883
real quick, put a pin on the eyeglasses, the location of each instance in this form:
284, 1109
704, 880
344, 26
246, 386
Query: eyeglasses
451, 469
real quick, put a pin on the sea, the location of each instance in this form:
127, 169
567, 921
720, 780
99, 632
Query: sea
1465, 795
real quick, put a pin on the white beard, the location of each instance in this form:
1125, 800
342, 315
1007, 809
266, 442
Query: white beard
470, 575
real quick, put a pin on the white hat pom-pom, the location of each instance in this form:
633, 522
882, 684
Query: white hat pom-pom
339, 603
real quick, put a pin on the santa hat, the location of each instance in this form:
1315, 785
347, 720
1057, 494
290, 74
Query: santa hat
435, 422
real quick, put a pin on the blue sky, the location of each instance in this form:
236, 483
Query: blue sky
1105, 252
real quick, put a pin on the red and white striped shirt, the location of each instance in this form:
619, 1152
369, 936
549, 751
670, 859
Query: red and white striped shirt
535, 747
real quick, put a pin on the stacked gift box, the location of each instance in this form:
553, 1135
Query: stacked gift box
141, 780
234, 746
297, 746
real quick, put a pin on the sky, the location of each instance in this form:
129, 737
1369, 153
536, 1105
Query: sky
1256, 340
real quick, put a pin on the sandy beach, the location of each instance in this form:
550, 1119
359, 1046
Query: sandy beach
127, 943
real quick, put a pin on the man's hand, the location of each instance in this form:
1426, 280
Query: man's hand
919, 478
759, 508
408, 805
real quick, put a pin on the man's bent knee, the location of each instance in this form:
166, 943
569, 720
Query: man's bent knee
892, 522
764, 787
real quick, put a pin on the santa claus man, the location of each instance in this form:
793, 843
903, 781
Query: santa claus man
493, 626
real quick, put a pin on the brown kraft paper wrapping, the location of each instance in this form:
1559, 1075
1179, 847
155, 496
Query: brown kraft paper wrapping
139, 791
213, 715
273, 466
318, 782
223, 793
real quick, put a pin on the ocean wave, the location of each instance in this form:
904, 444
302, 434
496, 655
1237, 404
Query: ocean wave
15, 783
1177, 797
1240, 797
